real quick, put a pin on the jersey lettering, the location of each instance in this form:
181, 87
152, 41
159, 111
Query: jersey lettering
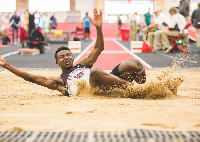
79, 75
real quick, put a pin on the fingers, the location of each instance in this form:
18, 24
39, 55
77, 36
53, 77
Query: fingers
96, 13
100, 12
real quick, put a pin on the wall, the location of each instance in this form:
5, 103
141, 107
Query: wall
99, 4
193, 5
85, 6
72, 4
170, 3
88, 5
160, 4
21, 4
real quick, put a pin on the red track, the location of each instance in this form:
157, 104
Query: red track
112, 55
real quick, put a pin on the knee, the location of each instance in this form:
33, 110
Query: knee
150, 35
163, 33
135, 64
141, 78
140, 75
157, 34
137, 71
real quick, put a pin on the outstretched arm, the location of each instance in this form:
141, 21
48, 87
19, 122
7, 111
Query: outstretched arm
51, 83
99, 46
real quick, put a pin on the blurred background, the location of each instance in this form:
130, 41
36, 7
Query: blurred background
69, 16
74, 10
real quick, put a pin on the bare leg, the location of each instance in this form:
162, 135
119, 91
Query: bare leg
99, 78
132, 69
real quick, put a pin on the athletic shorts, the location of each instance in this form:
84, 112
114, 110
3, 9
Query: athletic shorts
116, 72
87, 30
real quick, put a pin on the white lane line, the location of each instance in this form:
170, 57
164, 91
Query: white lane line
108, 39
10, 53
134, 55
84, 51
192, 38
6, 55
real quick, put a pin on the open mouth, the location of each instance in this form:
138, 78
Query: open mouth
67, 62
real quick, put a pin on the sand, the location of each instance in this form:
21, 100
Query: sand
25, 106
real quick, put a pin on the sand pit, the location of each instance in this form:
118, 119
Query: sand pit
29, 107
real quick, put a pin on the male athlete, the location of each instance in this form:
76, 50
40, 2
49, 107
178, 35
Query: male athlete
121, 76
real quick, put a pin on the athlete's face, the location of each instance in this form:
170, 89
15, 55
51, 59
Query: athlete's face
65, 59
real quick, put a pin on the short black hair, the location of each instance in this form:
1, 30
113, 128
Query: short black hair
60, 49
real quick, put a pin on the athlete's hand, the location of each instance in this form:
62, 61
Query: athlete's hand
97, 21
3, 62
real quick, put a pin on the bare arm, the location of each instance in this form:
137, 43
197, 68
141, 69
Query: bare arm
99, 46
51, 83
150, 27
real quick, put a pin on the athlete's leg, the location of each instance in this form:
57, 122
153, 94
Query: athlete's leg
132, 69
99, 78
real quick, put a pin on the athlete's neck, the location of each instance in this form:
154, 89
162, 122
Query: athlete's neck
67, 70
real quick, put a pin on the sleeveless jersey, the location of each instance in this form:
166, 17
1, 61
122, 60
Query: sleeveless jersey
78, 72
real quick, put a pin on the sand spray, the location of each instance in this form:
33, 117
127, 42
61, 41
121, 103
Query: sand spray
163, 85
